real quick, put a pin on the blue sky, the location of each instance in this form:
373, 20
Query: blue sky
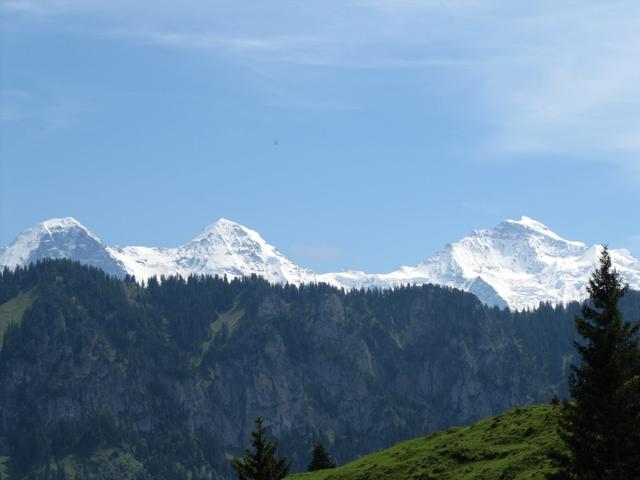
349, 134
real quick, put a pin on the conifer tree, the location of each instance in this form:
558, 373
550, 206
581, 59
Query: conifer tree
320, 459
601, 426
261, 462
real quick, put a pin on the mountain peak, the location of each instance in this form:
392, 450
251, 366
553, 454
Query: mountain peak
529, 222
227, 231
63, 224
518, 263
530, 225
222, 248
60, 238
53, 227
226, 221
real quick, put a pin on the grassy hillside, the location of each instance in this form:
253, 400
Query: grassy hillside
11, 312
509, 446
4, 475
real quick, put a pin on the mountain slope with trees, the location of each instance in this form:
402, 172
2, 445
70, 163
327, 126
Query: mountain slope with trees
164, 381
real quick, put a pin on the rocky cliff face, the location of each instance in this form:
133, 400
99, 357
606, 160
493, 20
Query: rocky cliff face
196, 361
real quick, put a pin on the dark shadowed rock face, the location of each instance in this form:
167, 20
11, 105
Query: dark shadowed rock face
195, 362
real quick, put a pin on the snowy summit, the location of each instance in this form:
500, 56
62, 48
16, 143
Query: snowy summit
224, 248
519, 263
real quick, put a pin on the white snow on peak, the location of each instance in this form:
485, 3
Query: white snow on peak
532, 225
61, 223
223, 248
529, 222
223, 228
59, 238
18, 252
518, 263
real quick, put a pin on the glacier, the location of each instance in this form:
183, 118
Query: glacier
517, 264
224, 248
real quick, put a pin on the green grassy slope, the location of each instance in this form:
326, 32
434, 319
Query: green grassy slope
4, 474
11, 312
510, 446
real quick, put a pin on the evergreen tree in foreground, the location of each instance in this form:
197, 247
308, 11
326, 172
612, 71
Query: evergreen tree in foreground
601, 426
261, 462
320, 459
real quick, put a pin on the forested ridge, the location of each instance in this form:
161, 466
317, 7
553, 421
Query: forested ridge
104, 378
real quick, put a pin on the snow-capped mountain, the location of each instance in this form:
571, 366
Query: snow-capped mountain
224, 248
60, 238
519, 263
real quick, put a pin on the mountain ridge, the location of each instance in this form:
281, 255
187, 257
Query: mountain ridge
517, 264
174, 373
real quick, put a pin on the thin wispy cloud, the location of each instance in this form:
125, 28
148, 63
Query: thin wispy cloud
552, 77
577, 86
210, 41
302, 50
46, 113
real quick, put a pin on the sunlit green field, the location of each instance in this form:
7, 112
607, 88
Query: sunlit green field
510, 446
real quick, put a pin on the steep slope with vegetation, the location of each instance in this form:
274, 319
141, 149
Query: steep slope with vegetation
510, 446
165, 381
514, 446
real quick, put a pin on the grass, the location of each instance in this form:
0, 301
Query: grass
510, 446
228, 319
11, 312
4, 474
